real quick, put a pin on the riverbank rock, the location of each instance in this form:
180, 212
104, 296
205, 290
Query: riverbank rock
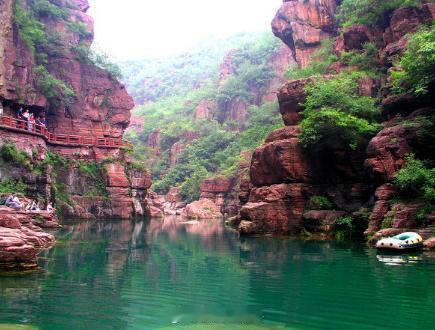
429, 243
202, 209
21, 239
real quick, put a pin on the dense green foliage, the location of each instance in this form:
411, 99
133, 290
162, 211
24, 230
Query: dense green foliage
10, 154
44, 8
369, 11
334, 112
252, 71
12, 186
415, 179
217, 152
365, 60
417, 64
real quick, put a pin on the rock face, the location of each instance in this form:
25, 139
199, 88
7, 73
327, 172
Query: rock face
359, 184
273, 209
101, 105
202, 209
322, 221
290, 97
279, 161
303, 24
204, 110
218, 190
100, 108
403, 21
21, 240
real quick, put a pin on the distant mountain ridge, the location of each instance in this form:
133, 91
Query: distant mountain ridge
150, 79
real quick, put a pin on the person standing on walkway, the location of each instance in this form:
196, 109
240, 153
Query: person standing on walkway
31, 122
26, 115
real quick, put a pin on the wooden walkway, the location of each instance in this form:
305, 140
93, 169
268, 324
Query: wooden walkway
22, 126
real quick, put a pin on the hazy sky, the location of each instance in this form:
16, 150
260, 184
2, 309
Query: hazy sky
148, 28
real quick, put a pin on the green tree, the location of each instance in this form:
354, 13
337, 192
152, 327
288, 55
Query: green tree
416, 179
335, 112
369, 11
417, 65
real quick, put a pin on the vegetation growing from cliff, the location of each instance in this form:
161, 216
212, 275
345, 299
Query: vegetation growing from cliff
335, 112
369, 11
10, 154
415, 179
55, 90
320, 203
319, 64
12, 186
218, 152
417, 65
27, 16
252, 73
44, 8
31, 30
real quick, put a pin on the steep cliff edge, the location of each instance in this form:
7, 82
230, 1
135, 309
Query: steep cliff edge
327, 186
79, 161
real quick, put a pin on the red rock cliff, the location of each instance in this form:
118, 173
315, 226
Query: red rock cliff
284, 178
101, 105
303, 24
99, 108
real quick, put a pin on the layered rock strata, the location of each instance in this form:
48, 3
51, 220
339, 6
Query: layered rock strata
359, 184
21, 238
99, 108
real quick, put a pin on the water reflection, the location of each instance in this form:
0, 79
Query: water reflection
395, 259
166, 273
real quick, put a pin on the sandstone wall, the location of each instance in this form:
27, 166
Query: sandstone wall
358, 183
100, 108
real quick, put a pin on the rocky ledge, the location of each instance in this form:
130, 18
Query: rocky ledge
22, 238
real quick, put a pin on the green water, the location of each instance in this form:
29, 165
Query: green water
163, 274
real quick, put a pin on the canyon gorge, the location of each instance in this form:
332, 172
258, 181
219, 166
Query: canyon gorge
229, 165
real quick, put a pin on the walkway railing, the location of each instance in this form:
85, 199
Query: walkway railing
60, 139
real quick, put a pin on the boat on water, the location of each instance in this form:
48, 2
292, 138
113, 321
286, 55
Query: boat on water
401, 242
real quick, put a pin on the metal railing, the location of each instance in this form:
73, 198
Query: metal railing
60, 139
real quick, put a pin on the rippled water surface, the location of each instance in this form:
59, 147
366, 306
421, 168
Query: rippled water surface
163, 274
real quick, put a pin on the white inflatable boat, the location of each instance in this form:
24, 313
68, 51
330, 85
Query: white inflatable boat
405, 241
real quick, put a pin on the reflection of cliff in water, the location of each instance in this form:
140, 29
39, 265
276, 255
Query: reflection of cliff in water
96, 262
149, 274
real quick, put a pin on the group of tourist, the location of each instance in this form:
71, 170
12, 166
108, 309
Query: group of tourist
29, 117
14, 202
